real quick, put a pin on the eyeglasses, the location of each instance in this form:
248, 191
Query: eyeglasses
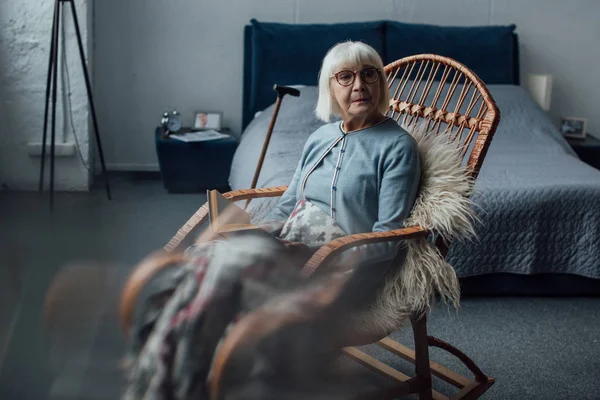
346, 77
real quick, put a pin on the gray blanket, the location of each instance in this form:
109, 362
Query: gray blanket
540, 205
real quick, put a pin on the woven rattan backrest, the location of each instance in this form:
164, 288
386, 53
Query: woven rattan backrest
446, 97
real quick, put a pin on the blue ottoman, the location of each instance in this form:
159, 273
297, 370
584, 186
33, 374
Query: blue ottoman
195, 166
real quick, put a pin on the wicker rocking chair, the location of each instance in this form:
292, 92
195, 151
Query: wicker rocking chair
452, 101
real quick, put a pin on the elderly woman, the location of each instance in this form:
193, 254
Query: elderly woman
358, 174
362, 171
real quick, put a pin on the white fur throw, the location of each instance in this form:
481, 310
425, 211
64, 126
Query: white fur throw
443, 206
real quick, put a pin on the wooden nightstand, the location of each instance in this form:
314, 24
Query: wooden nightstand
587, 149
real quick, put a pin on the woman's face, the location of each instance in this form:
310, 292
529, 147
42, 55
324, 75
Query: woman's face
357, 93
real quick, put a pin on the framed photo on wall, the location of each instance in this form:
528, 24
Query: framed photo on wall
208, 120
573, 127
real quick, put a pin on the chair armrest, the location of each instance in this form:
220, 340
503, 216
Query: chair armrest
199, 216
139, 278
243, 194
325, 254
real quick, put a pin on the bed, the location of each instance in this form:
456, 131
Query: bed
540, 231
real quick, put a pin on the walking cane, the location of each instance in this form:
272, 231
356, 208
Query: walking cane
281, 91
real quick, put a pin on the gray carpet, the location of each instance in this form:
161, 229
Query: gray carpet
535, 348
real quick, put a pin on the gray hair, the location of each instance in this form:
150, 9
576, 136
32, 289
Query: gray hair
347, 53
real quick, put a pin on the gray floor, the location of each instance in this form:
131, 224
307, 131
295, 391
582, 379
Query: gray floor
536, 348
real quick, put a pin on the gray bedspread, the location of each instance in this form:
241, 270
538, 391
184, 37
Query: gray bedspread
540, 204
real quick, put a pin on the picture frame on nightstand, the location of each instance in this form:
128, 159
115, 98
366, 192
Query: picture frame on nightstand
573, 127
208, 120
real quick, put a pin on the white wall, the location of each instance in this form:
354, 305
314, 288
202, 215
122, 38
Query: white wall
25, 31
151, 54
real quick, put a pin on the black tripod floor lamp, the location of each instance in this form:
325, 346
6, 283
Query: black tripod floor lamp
52, 81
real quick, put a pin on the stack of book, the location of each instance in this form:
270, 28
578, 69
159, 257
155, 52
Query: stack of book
199, 136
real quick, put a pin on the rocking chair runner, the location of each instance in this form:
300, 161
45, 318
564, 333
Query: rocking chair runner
452, 101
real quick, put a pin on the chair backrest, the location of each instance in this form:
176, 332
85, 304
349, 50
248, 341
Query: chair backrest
449, 98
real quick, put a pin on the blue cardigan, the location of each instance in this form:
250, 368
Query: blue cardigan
367, 180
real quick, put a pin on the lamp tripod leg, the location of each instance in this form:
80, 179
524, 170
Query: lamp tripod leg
51, 71
54, 94
90, 99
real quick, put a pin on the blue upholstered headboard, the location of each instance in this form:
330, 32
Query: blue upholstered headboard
291, 54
